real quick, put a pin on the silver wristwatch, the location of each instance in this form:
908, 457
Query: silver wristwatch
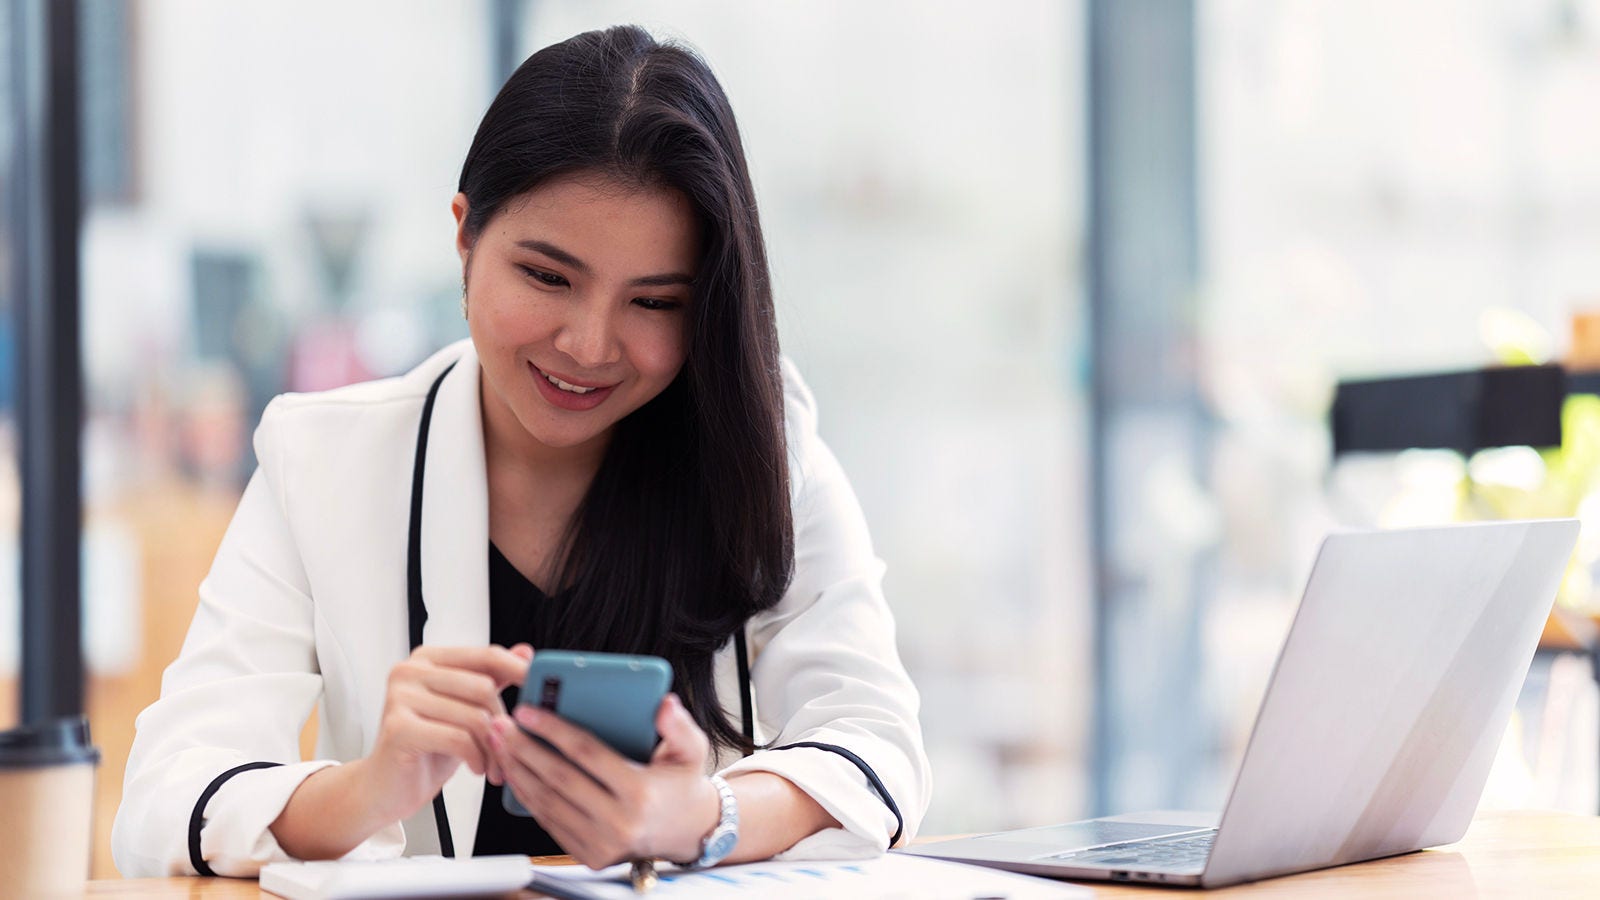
720, 842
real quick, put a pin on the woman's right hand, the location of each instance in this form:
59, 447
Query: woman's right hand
436, 715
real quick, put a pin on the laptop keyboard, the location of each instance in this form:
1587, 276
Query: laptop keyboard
1183, 854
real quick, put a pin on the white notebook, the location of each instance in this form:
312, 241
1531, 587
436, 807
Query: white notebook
408, 876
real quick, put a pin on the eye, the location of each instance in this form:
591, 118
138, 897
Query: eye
656, 303
549, 279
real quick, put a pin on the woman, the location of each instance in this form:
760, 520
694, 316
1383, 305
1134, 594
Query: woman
617, 460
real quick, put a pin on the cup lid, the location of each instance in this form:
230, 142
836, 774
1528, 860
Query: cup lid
52, 742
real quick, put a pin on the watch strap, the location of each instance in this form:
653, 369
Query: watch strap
716, 846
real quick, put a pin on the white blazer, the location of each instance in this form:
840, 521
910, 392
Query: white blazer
305, 605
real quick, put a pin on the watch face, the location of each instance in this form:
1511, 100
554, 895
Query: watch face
722, 844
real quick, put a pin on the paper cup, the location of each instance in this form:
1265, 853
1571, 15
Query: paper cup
46, 809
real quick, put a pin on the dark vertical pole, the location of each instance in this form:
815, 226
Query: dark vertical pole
49, 398
1145, 410
1100, 747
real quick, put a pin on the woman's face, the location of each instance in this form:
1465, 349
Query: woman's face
577, 301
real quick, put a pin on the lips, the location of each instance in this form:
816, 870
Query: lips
568, 400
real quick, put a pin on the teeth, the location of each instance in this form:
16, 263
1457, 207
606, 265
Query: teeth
571, 388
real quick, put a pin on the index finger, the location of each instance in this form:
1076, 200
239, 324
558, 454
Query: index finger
497, 662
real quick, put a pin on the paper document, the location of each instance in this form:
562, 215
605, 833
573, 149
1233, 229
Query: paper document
889, 877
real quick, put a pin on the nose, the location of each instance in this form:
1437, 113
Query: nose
589, 335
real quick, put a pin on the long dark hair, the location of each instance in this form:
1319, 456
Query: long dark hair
686, 531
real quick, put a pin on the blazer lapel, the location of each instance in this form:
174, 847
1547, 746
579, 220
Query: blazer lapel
455, 553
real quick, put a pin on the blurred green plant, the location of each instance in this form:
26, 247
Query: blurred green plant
1571, 472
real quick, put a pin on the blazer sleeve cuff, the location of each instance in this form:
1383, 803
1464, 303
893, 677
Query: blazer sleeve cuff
831, 843
839, 788
236, 830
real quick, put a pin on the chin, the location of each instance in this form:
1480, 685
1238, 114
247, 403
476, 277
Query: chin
561, 439
566, 438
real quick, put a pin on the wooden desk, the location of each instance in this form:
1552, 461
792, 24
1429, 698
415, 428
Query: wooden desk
1520, 854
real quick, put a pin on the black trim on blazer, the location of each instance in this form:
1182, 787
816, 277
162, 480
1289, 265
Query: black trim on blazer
746, 699
197, 819
441, 821
877, 784
416, 609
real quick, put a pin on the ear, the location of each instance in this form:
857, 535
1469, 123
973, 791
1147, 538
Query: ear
458, 208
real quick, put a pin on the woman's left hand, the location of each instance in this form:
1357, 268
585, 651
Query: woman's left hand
602, 807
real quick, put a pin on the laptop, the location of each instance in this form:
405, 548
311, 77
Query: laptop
1375, 736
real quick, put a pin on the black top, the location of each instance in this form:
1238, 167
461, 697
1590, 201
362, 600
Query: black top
518, 613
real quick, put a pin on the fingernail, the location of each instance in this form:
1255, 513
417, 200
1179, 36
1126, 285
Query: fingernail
529, 716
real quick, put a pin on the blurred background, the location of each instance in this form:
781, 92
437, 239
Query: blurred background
1074, 283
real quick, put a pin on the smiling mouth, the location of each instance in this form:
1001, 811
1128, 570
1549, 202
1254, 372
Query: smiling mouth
569, 388
563, 394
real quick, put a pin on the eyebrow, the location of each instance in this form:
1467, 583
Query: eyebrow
567, 259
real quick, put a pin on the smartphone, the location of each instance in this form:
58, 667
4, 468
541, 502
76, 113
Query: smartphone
613, 695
